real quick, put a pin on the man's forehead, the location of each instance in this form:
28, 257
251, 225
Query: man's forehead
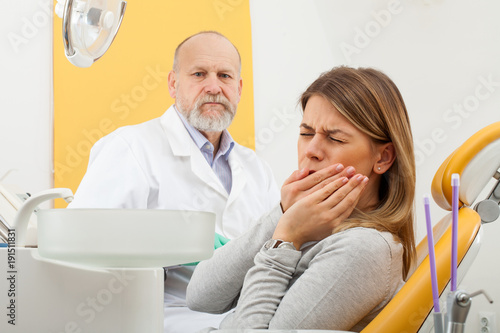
211, 64
205, 48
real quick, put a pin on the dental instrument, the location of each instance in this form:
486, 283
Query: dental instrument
438, 317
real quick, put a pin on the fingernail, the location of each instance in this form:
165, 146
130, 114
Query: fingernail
345, 180
360, 177
365, 180
339, 167
350, 171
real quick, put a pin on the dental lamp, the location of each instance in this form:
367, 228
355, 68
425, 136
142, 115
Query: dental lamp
89, 27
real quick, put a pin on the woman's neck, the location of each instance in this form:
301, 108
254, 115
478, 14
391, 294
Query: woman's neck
370, 198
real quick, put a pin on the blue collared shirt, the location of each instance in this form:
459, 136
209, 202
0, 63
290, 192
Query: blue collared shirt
219, 164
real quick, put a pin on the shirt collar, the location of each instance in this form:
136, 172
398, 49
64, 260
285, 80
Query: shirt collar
226, 142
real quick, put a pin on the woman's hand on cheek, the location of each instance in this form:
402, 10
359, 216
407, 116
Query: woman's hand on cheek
314, 217
301, 183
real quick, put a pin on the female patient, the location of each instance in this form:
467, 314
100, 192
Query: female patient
345, 242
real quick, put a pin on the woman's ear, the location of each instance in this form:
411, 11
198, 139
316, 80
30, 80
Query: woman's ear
387, 156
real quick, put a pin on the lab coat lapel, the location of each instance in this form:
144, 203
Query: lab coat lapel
183, 145
176, 133
200, 168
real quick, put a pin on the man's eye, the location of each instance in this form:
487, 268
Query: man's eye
198, 74
225, 76
307, 134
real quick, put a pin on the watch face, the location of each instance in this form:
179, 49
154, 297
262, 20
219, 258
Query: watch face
278, 244
287, 245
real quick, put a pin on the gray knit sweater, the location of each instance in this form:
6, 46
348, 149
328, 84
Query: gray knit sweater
339, 283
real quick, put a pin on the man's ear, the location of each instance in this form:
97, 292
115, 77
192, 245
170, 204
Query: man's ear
387, 156
240, 88
171, 83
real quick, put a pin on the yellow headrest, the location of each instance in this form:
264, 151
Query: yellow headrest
476, 160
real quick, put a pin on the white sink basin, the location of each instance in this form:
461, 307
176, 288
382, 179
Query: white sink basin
125, 237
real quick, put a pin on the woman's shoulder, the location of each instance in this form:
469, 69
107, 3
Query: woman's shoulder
365, 241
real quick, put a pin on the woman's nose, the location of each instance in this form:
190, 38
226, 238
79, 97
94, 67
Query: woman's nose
212, 84
314, 149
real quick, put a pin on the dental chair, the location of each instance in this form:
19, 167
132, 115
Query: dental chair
477, 161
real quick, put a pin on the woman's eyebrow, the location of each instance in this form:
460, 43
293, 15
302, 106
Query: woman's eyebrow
305, 126
338, 131
330, 132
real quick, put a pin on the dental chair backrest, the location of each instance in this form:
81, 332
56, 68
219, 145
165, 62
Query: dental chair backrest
477, 161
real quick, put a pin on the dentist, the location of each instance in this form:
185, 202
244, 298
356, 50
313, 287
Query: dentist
186, 160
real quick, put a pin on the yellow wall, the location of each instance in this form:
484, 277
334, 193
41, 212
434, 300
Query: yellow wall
128, 85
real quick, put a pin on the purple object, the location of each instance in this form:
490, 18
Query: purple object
455, 184
432, 259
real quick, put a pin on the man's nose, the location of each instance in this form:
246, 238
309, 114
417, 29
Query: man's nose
212, 84
314, 149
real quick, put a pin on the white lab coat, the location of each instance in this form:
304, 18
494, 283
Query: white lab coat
157, 165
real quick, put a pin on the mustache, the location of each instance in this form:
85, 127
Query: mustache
220, 99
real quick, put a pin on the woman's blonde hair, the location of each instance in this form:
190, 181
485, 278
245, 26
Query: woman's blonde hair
371, 101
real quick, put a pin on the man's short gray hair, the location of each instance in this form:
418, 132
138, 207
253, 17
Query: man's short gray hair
176, 61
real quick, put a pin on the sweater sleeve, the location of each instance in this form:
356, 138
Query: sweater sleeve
216, 283
346, 278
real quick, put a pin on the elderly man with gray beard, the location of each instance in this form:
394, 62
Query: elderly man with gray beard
186, 160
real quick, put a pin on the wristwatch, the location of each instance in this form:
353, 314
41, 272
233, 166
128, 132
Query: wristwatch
279, 244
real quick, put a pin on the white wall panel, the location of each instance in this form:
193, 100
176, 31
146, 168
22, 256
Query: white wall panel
26, 94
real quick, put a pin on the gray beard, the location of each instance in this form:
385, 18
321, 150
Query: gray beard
203, 123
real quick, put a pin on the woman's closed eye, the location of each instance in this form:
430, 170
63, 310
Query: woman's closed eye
336, 140
331, 138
